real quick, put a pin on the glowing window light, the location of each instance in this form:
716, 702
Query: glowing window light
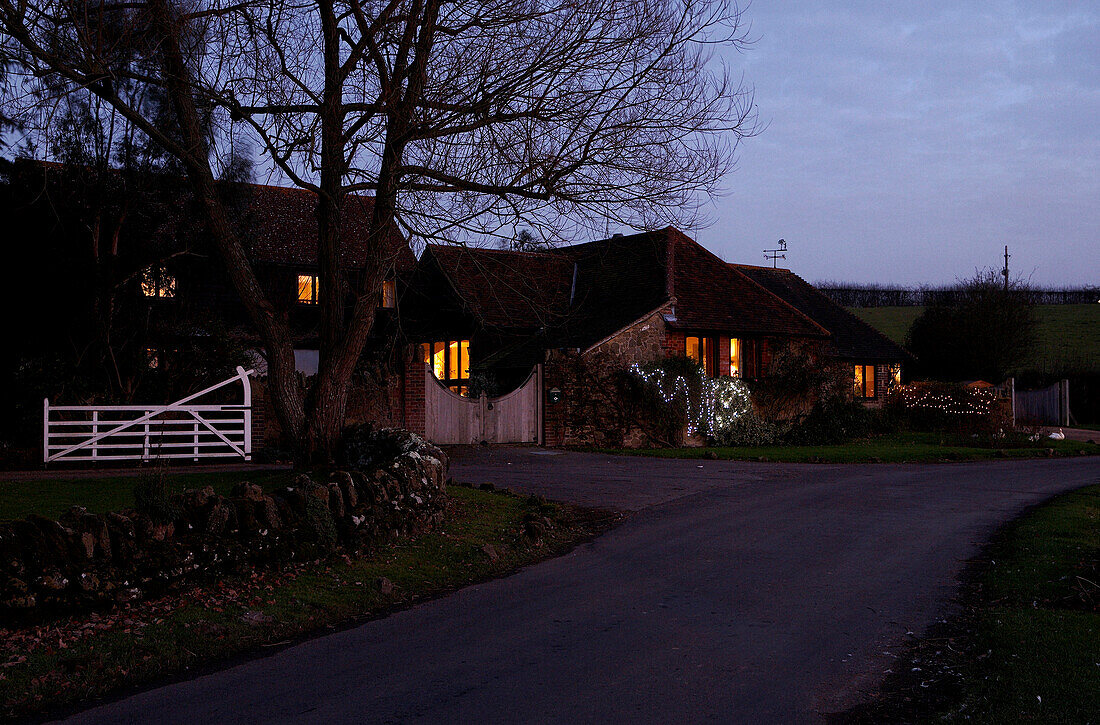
307, 289
450, 363
735, 357
865, 381
157, 282
701, 350
439, 360
389, 294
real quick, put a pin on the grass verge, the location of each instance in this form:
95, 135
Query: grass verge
72, 662
53, 497
894, 448
1026, 645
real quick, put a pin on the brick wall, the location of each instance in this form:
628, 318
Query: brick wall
675, 343
553, 414
413, 391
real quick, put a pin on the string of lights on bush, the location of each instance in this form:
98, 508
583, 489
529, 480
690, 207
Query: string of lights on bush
719, 402
956, 401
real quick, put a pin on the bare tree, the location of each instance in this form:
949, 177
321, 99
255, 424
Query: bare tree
459, 119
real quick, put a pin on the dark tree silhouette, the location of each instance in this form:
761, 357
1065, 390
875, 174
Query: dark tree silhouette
460, 118
984, 332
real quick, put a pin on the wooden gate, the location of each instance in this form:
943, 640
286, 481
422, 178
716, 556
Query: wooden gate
183, 429
1049, 406
512, 418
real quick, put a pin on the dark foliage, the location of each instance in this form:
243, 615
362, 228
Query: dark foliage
983, 333
155, 497
833, 421
878, 295
84, 238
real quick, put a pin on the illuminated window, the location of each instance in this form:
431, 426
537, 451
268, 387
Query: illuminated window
701, 350
865, 381
152, 358
450, 361
895, 375
389, 294
157, 282
735, 357
307, 289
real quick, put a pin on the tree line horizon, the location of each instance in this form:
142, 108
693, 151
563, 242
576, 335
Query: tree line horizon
874, 294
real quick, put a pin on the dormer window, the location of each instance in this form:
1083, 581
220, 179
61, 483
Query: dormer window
307, 289
389, 294
157, 282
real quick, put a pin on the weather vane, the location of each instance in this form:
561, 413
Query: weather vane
774, 254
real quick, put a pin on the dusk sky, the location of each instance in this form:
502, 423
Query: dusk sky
909, 142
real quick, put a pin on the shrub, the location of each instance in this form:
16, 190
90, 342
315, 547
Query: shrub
796, 379
831, 423
679, 395
982, 331
153, 496
749, 430
948, 408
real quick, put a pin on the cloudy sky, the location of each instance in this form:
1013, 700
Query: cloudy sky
909, 142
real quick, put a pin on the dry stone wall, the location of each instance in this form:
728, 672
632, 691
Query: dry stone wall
393, 485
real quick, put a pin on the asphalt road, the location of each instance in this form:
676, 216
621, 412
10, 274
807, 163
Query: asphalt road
735, 593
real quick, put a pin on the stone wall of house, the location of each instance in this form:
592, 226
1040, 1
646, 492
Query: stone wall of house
578, 377
393, 485
643, 341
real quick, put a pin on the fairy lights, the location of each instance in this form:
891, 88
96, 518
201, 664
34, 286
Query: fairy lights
965, 401
710, 404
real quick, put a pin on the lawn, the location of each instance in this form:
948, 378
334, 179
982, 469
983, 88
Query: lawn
52, 497
1068, 335
1026, 645
893, 448
73, 661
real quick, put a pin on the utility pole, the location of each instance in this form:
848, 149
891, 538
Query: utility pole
1004, 272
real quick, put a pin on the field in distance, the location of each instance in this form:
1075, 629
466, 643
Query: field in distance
1068, 335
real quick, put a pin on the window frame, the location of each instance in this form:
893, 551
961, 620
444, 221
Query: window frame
749, 357
157, 283
707, 346
313, 289
861, 381
388, 294
452, 353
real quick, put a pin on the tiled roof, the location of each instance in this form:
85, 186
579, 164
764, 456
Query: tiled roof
618, 281
281, 226
586, 292
278, 225
505, 289
854, 339
711, 295
622, 278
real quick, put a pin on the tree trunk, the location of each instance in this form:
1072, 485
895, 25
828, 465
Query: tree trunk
273, 330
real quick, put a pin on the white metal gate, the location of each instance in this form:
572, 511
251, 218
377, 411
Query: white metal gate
512, 418
182, 429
